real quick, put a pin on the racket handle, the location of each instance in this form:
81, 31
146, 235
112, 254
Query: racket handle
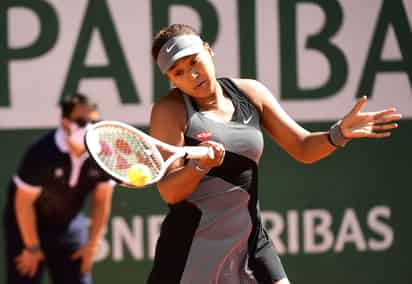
197, 152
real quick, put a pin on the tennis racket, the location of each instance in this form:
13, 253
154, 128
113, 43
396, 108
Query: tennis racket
132, 157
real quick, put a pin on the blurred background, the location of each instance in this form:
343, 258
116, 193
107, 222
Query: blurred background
345, 219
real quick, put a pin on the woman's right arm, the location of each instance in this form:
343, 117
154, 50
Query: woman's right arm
168, 123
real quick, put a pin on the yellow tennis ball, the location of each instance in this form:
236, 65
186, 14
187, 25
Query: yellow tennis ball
139, 174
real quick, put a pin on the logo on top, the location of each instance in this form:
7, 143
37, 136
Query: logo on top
203, 135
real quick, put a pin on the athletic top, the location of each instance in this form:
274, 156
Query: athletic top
214, 235
64, 181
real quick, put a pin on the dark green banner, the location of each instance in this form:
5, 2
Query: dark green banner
342, 220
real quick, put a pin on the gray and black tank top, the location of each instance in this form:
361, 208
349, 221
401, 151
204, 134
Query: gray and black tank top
208, 237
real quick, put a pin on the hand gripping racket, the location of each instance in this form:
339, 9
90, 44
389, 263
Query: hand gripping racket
132, 157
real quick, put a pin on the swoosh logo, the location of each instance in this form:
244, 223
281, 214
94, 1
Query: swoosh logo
168, 49
246, 121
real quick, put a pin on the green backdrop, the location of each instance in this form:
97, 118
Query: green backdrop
367, 173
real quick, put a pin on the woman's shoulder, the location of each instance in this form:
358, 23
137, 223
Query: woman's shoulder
173, 101
251, 88
170, 107
245, 82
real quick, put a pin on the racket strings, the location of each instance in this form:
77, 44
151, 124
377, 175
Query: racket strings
121, 149
147, 156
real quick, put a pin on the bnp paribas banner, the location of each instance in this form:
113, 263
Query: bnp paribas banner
345, 219
316, 56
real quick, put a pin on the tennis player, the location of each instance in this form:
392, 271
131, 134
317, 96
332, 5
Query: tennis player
44, 223
213, 232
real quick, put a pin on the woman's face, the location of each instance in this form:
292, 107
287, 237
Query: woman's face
194, 74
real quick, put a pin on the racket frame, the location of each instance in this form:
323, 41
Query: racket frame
190, 152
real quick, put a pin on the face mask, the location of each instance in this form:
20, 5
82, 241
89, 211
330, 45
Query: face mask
76, 138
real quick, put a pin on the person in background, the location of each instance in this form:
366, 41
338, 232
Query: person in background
44, 223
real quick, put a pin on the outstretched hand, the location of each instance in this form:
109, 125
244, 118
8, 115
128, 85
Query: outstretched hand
357, 124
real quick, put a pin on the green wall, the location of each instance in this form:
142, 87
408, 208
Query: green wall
366, 174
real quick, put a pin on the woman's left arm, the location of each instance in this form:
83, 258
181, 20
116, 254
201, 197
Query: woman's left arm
309, 147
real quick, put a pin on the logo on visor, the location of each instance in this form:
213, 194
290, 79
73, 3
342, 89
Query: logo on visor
168, 49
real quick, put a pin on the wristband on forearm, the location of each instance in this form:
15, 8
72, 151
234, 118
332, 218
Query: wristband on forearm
33, 248
335, 135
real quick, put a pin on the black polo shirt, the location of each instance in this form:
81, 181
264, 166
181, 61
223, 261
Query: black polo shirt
64, 181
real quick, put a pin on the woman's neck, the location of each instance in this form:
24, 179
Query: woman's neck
216, 106
213, 101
